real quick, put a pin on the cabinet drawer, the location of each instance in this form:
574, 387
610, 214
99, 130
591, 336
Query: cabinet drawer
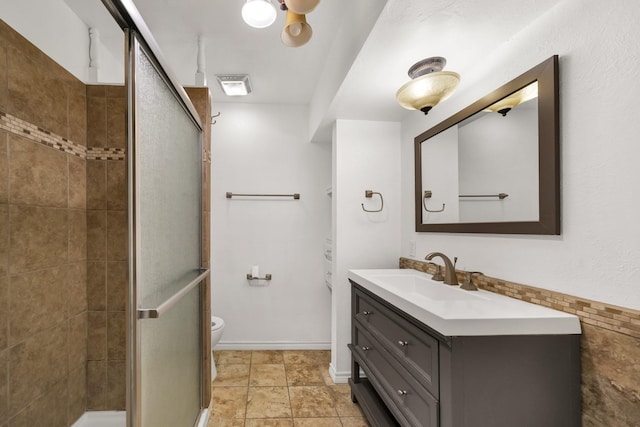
413, 347
414, 406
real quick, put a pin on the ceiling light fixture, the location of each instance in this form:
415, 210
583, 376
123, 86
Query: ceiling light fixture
234, 84
301, 7
296, 31
259, 13
429, 85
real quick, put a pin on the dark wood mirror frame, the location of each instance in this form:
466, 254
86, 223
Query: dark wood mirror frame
546, 74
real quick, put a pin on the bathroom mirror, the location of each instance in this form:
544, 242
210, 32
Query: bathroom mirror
494, 166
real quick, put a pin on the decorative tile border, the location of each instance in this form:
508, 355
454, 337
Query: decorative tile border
103, 153
41, 136
618, 319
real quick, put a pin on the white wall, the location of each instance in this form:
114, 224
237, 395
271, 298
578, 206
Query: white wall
366, 156
598, 254
265, 149
361, 16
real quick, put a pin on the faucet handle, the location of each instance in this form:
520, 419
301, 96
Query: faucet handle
468, 284
438, 275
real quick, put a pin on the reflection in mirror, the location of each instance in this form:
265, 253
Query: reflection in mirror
470, 165
493, 167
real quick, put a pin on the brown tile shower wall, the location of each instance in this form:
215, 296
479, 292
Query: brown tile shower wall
201, 99
610, 348
63, 238
43, 238
107, 277
107, 272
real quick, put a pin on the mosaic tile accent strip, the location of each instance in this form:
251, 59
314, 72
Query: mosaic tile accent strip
617, 319
103, 153
41, 136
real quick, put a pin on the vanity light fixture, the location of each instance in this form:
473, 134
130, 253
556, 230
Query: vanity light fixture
234, 84
259, 13
429, 85
506, 104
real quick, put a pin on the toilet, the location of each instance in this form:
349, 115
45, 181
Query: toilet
217, 325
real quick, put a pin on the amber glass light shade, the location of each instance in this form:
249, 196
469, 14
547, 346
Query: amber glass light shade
427, 90
506, 104
296, 31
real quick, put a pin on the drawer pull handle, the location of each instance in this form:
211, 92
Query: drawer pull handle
403, 343
402, 392
365, 348
366, 313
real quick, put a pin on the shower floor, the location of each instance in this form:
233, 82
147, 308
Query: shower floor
102, 419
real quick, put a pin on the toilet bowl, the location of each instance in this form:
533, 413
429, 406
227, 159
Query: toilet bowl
217, 325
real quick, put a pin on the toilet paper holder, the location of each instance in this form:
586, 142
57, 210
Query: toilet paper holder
266, 277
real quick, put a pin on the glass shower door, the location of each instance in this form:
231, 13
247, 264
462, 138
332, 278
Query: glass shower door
166, 279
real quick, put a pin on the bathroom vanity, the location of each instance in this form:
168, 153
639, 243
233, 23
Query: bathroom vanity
435, 355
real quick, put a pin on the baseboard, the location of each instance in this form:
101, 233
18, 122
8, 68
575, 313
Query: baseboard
272, 345
339, 377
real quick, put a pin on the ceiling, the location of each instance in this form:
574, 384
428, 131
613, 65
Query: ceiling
463, 31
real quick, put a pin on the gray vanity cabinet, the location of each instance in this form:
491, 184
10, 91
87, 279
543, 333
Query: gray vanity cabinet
414, 376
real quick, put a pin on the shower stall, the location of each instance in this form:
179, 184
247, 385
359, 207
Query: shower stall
104, 287
165, 361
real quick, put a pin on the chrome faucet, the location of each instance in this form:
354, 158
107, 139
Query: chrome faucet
450, 277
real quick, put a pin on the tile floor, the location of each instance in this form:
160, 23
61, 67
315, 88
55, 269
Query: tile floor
273, 388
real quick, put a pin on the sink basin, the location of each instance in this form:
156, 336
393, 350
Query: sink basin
420, 286
453, 311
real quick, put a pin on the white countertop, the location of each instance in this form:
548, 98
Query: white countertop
455, 312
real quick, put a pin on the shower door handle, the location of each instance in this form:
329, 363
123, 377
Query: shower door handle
160, 309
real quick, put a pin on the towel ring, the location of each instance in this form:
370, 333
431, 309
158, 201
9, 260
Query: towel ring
427, 195
368, 194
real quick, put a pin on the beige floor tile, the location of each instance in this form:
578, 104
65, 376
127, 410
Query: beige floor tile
234, 357
266, 357
305, 357
268, 402
323, 357
229, 402
222, 422
266, 422
267, 375
304, 375
317, 422
311, 401
232, 376
251, 391
341, 395
354, 422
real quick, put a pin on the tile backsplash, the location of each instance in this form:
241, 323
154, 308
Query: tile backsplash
610, 346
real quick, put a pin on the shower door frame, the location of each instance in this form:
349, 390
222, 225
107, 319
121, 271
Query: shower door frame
127, 16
